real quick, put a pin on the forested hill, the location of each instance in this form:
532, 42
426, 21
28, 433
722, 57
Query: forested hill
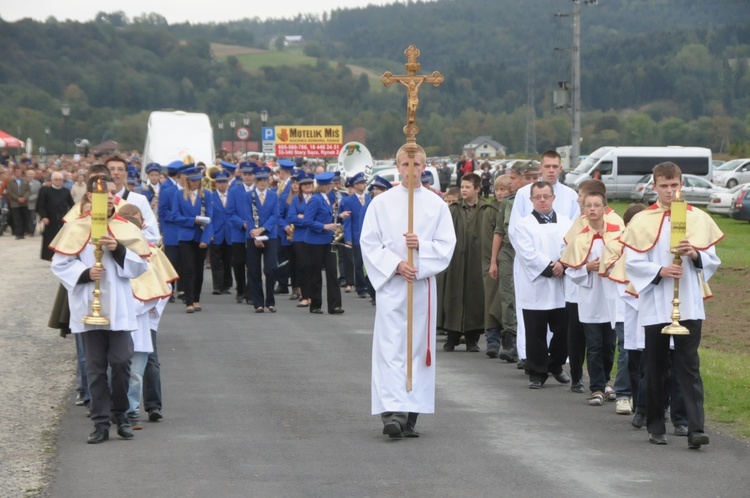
672, 71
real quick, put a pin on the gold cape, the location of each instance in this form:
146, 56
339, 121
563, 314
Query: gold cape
580, 238
75, 234
154, 282
643, 232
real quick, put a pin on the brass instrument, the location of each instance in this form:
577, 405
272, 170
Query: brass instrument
209, 181
290, 233
338, 234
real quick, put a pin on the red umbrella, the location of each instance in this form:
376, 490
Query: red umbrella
7, 140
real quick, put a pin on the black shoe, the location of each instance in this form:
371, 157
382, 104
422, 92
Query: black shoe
680, 430
215, 293
100, 434
393, 429
492, 352
562, 377
410, 431
226, 291
336, 311
521, 365
472, 348
155, 415
362, 295
316, 311
448, 346
171, 298
657, 439
281, 290
639, 420
240, 299
124, 430
535, 384
577, 387
697, 439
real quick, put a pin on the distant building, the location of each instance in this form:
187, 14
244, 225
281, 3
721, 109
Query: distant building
293, 41
484, 146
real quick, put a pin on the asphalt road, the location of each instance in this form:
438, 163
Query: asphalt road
279, 405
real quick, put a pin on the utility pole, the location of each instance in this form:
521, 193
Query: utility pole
575, 150
530, 111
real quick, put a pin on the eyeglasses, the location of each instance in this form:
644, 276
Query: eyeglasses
542, 197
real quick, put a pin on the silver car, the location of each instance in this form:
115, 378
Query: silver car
695, 190
732, 173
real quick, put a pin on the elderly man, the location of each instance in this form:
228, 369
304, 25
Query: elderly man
53, 202
18, 191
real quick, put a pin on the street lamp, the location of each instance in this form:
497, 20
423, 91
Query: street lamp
263, 120
246, 122
221, 139
232, 124
65, 110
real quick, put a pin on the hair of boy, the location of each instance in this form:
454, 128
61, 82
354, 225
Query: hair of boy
473, 178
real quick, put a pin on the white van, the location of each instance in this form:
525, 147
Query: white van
173, 135
392, 175
622, 167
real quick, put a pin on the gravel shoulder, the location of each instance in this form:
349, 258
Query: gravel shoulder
37, 368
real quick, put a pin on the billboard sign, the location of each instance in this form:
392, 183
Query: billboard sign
309, 141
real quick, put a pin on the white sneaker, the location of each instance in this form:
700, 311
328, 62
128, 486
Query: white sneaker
609, 393
624, 406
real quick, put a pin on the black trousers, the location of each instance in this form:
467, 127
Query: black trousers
302, 268
267, 254
290, 268
20, 217
576, 342
283, 266
173, 255
221, 266
346, 265
686, 365
152, 379
239, 257
113, 349
193, 258
541, 359
322, 259
360, 283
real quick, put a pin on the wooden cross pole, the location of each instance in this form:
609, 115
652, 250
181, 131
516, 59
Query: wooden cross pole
412, 81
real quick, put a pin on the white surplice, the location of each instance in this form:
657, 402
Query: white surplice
538, 244
150, 225
655, 301
383, 248
118, 302
599, 301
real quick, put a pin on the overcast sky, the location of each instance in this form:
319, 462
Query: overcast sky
175, 11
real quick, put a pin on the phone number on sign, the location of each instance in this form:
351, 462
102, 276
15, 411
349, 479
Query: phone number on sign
311, 150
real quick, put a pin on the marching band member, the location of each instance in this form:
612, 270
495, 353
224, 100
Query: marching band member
262, 243
284, 190
355, 205
296, 218
320, 229
238, 215
220, 250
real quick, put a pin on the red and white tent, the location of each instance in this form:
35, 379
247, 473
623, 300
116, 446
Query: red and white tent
9, 141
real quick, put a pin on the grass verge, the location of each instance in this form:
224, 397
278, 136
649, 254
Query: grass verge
726, 382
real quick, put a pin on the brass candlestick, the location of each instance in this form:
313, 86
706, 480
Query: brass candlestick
678, 220
99, 210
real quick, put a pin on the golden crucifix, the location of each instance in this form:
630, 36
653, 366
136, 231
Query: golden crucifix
412, 81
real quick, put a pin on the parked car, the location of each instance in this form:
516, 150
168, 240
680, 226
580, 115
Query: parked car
721, 202
391, 174
696, 190
732, 173
741, 205
641, 186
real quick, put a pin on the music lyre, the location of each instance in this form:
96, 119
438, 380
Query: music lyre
412, 81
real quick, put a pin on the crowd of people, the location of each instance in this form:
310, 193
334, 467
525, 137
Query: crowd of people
550, 276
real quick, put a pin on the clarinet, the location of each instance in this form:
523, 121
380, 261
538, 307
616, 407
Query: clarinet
256, 217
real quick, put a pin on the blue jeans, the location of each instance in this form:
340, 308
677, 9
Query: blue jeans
622, 385
135, 389
493, 339
84, 379
600, 353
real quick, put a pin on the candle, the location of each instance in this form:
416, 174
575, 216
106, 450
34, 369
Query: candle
99, 211
678, 219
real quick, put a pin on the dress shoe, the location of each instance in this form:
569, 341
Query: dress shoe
100, 434
697, 439
657, 439
155, 415
562, 377
316, 311
124, 430
393, 429
577, 387
240, 299
472, 348
215, 293
410, 431
535, 384
639, 420
680, 430
448, 346
336, 311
